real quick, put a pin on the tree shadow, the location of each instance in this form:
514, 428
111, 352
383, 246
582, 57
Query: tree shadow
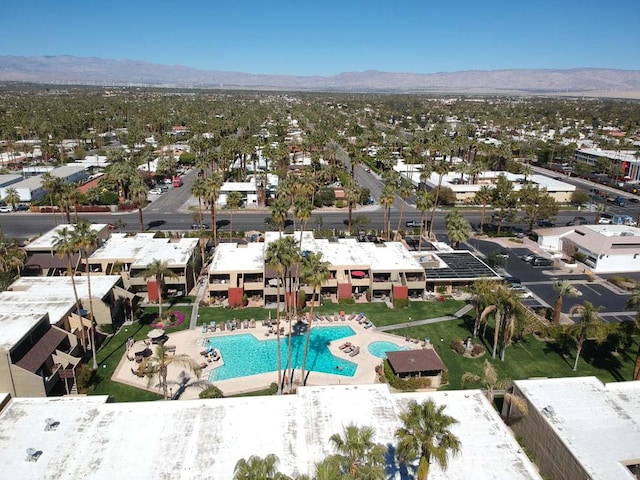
393, 467
600, 356
555, 348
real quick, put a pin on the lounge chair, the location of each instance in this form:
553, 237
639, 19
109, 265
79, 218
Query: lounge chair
349, 349
344, 345
205, 329
368, 324
355, 352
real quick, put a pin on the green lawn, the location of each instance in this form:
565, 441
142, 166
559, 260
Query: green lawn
528, 359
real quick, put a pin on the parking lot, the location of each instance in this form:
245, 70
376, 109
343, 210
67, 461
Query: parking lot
540, 281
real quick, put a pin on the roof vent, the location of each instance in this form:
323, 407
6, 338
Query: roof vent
33, 455
50, 424
549, 411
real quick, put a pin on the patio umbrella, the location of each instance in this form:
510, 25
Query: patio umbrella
155, 333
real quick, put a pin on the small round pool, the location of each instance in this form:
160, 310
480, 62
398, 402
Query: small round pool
380, 349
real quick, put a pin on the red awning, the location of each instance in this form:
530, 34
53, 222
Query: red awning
358, 274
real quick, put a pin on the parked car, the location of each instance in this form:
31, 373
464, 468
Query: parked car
521, 291
542, 262
199, 226
578, 221
512, 280
413, 224
22, 208
156, 191
6, 209
605, 218
546, 224
502, 254
527, 257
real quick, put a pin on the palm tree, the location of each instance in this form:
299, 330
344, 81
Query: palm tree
562, 287
358, 456
633, 302
483, 197
213, 183
483, 296
157, 367
234, 200
85, 239
590, 325
138, 190
199, 190
405, 191
352, 195
424, 201
52, 185
11, 255
12, 197
159, 270
64, 243
505, 309
315, 273
258, 468
386, 200
425, 435
280, 255
458, 228
280, 212
441, 168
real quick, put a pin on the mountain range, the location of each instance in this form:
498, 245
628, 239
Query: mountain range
105, 72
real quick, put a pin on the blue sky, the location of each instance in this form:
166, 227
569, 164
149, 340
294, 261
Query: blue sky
326, 37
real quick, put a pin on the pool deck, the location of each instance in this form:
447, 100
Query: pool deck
190, 343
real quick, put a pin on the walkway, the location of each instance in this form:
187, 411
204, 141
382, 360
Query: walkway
202, 290
427, 321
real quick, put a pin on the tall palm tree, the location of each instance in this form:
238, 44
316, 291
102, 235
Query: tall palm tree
441, 168
634, 302
258, 468
159, 270
280, 212
589, 325
199, 190
213, 183
405, 191
138, 190
424, 201
86, 238
315, 273
563, 288
483, 197
352, 195
12, 197
280, 255
425, 435
53, 186
157, 367
234, 200
64, 243
386, 200
358, 455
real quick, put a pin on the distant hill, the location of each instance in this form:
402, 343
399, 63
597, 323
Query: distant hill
100, 71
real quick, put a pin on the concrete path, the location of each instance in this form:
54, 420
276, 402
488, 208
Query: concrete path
427, 321
202, 290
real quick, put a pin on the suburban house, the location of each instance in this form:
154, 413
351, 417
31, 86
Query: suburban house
607, 248
130, 255
35, 356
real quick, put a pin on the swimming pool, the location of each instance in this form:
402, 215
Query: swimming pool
245, 355
380, 349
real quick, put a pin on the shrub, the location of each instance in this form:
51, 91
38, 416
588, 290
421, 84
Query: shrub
405, 385
85, 379
477, 350
346, 301
400, 302
444, 377
211, 392
302, 300
340, 203
579, 257
457, 345
273, 388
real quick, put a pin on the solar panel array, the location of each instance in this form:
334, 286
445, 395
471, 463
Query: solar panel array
461, 265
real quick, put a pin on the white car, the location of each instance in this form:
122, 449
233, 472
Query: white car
6, 209
155, 191
521, 291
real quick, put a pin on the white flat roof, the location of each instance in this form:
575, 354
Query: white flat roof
214, 434
142, 249
231, 257
599, 423
46, 240
62, 287
14, 326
